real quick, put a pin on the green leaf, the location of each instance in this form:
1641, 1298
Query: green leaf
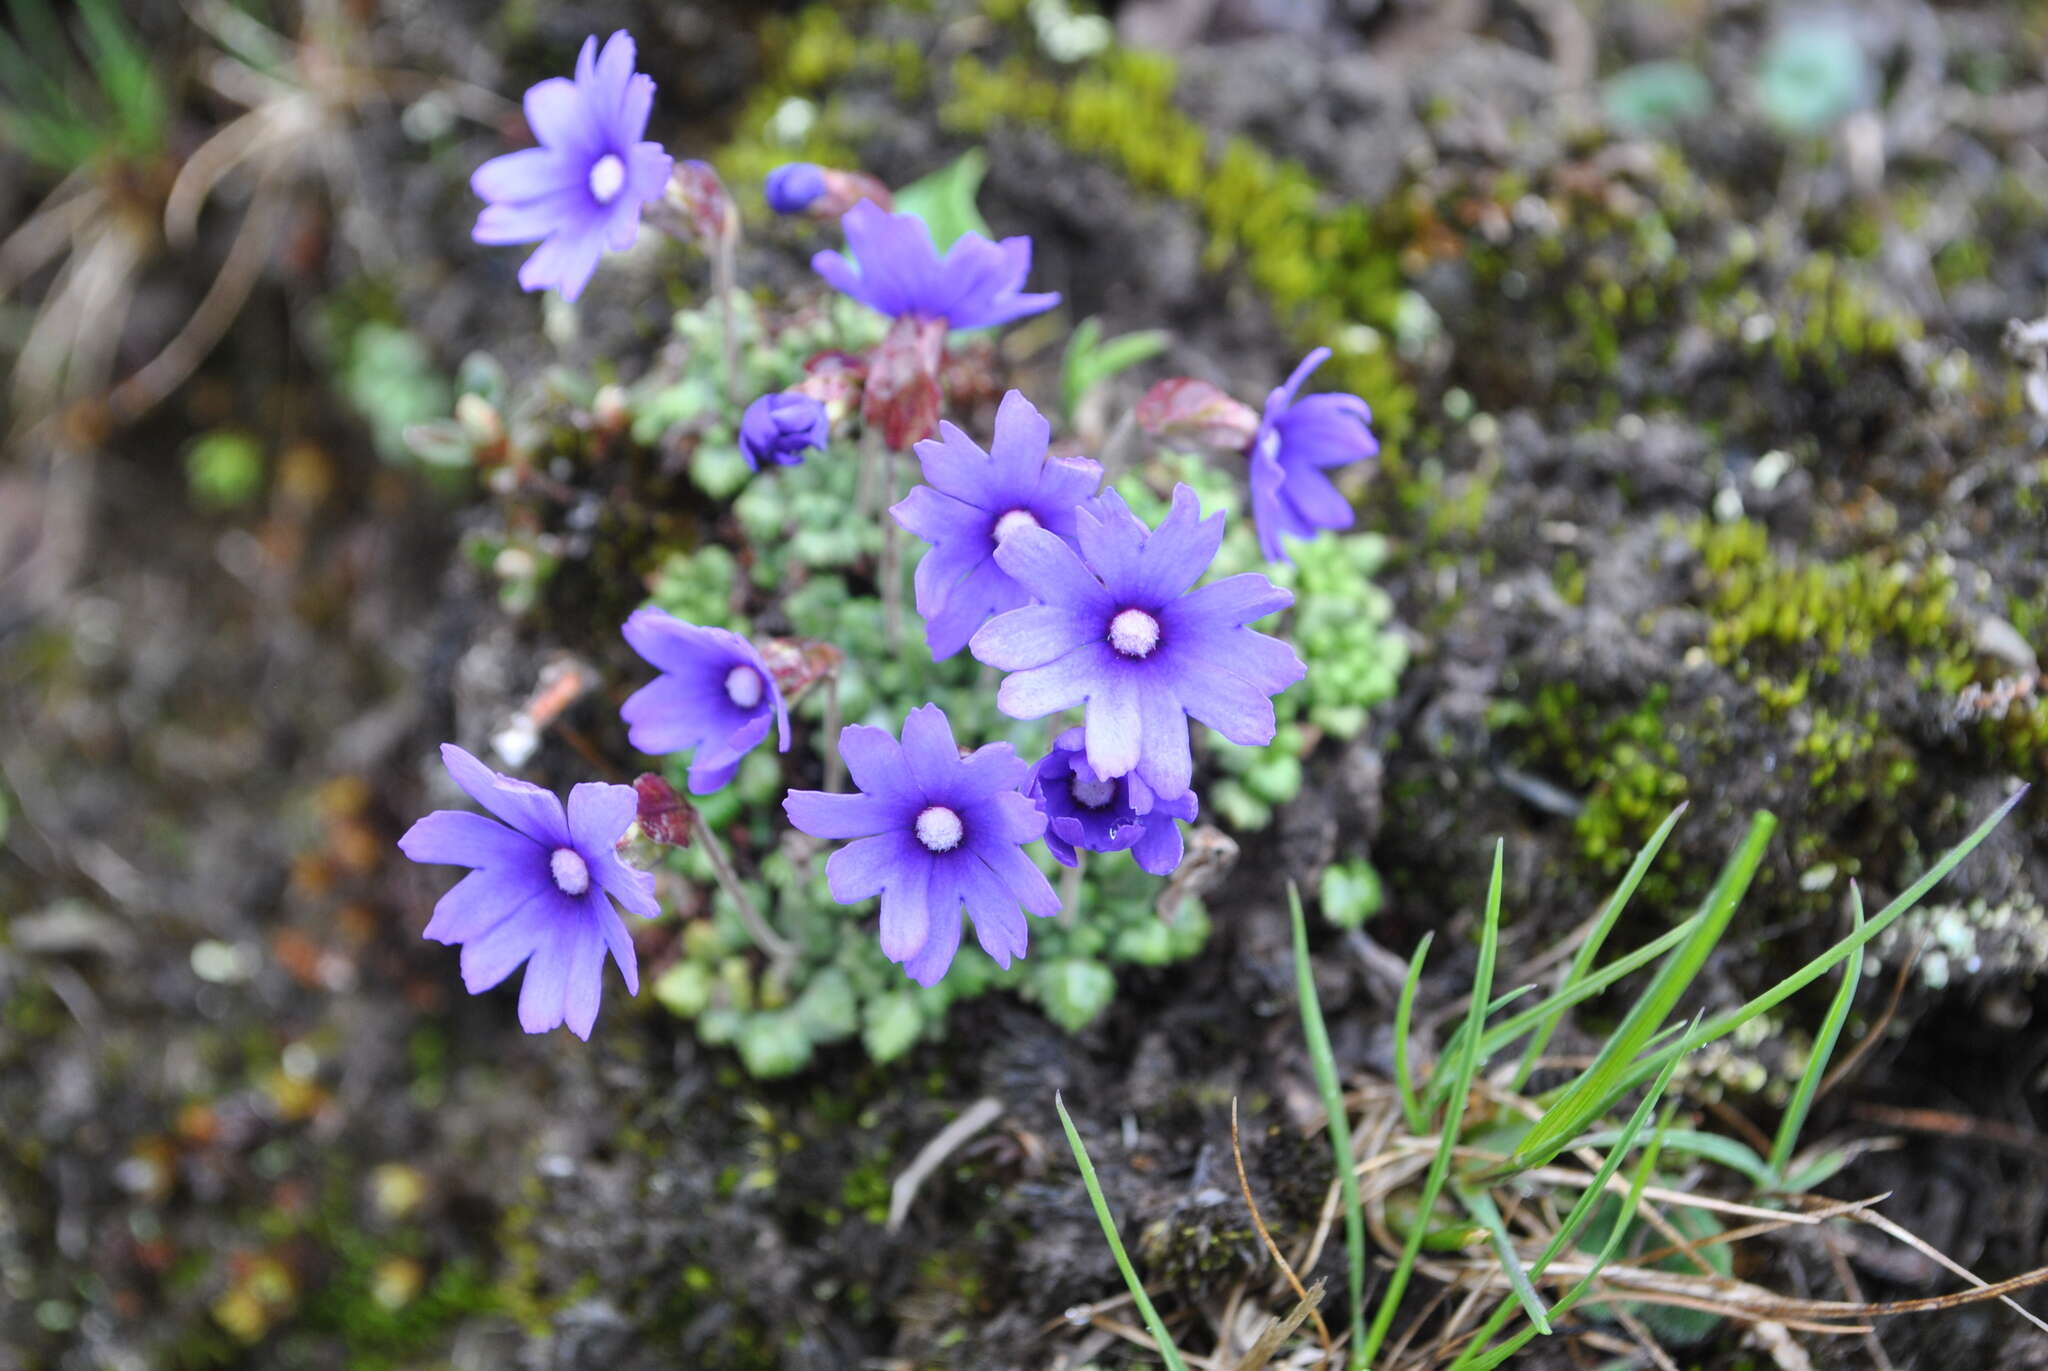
1090, 361
1351, 893
828, 1008
1331, 1088
1404, 1009
684, 990
1153, 1323
1462, 1069
891, 1023
1482, 1208
945, 200
1823, 1048
1074, 990
1588, 1095
774, 1044
1582, 960
224, 469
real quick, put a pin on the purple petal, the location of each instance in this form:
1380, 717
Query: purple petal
528, 174
929, 750
599, 815
906, 912
1017, 448
1177, 552
1041, 562
1283, 394
559, 116
1268, 664
614, 69
1115, 724
1233, 600
1167, 765
986, 591
1159, 851
544, 993
955, 465
720, 756
1316, 500
456, 837
998, 924
823, 814
528, 808
1034, 635
497, 953
483, 899
620, 942
1063, 684
866, 866
1231, 705
565, 262
1008, 815
529, 221
1020, 876
929, 964
583, 986
875, 762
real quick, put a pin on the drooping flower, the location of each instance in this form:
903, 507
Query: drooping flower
1083, 809
971, 502
1120, 630
1297, 440
794, 187
781, 428
581, 191
933, 831
891, 267
538, 892
714, 693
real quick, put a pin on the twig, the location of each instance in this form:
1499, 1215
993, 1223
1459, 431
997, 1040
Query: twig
779, 949
933, 1154
1266, 1237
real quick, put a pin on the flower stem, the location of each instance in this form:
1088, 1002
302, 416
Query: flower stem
779, 949
892, 556
1070, 889
835, 765
725, 282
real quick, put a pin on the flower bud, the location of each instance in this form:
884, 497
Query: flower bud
1182, 409
780, 427
821, 192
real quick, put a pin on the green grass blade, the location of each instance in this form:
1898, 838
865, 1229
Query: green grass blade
1404, 1009
1819, 966
1637, 1182
1722, 1151
1505, 1032
1167, 1350
1582, 960
1588, 1096
1578, 1216
1462, 1069
1332, 1090
1823, 1048
1481, 1206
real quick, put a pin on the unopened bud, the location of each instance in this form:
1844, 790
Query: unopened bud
1184, 410
664, 817
799, 663
700, 197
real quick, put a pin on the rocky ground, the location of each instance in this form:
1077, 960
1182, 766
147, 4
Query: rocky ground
1708, 478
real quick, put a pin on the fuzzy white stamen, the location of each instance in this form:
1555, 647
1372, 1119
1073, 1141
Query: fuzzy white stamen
939, 829
1094, 794
743, 686
1134, 633
1016, 521
607, 178
571, 875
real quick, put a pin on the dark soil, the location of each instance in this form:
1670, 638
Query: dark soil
248, 1119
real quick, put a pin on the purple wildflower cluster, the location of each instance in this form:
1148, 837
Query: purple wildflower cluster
1031, 565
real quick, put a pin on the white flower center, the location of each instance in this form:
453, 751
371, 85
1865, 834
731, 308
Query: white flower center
607, 178
1016, 521
1094, 794
569, 871
939, 829
1134, 633
743, 686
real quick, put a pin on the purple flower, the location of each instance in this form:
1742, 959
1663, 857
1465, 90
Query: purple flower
933, 830
780, 428
892, 268
579, 192
538, 892
1083, 809
794, 187
973, 500
714, 693
1119, 630
1296, 439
